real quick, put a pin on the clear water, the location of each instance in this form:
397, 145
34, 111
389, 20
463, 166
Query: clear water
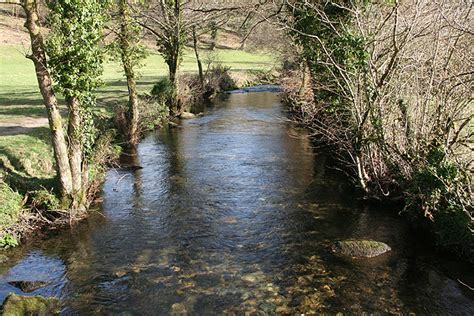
233, 213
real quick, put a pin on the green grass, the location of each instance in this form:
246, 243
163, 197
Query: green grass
28, 154
19, 95
10, 205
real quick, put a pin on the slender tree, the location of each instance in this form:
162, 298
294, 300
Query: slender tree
131, 53
198, 59
76, 63
38, 57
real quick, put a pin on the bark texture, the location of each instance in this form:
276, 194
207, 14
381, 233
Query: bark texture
43, 76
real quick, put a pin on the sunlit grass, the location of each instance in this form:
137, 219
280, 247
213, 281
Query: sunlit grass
19, 95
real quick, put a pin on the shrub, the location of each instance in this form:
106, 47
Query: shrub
44, 200
8, 240
218, 79
440, 190
163, 90
10, 205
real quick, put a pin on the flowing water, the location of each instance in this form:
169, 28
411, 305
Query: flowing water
233, 212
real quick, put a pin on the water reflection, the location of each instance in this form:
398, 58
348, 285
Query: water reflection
233, 212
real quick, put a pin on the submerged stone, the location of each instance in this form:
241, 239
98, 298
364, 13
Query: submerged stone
15, 305
359, 248
267, 308
28, 286
178, 308
3, 258
187, 115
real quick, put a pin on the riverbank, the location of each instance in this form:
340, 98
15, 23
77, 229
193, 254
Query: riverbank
26, 159
432, 191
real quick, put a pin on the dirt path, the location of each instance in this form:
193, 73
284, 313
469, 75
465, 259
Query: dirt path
23, 126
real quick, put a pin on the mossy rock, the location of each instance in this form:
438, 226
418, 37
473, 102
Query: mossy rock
18, 305
359, 248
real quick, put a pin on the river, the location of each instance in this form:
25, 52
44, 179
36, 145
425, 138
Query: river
233, 212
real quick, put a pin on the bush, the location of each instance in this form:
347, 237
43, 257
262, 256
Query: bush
44, 200
218, 79
439, 190
8, 240
10, 205
163, 91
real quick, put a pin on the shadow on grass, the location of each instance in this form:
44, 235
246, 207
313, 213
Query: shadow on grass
23, 184
24, 98
142, 81
40, 133
43, 133
15, 130
30, 111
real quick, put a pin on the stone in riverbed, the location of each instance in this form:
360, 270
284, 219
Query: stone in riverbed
359, 248
187, 115
15, 305
267, 308
28, 286
178, 309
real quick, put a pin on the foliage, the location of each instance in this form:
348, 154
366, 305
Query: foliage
8, 241
44, 200
335, 47
127, 47
218, 78
10, 205
391, 94
440, 188
153, 113
171, 34
76, 56
163, 90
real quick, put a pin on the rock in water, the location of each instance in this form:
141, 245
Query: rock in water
178, 309
359, 248
187, 115
28, 286
15, 305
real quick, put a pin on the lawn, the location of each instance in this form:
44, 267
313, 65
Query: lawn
19, 95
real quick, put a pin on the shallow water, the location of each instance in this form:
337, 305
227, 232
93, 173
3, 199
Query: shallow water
233, 212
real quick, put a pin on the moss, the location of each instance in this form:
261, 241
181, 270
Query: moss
17, 305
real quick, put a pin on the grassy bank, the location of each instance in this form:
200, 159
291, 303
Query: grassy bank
26, 158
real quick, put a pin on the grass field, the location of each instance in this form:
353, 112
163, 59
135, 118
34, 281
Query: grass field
19, 95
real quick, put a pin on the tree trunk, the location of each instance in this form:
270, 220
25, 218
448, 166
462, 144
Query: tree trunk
132, 114
125, 37
196, 52
49, 98
173, 69
213, 36
75, 149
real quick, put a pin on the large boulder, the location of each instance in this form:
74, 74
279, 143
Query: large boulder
18, 305
359, 248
